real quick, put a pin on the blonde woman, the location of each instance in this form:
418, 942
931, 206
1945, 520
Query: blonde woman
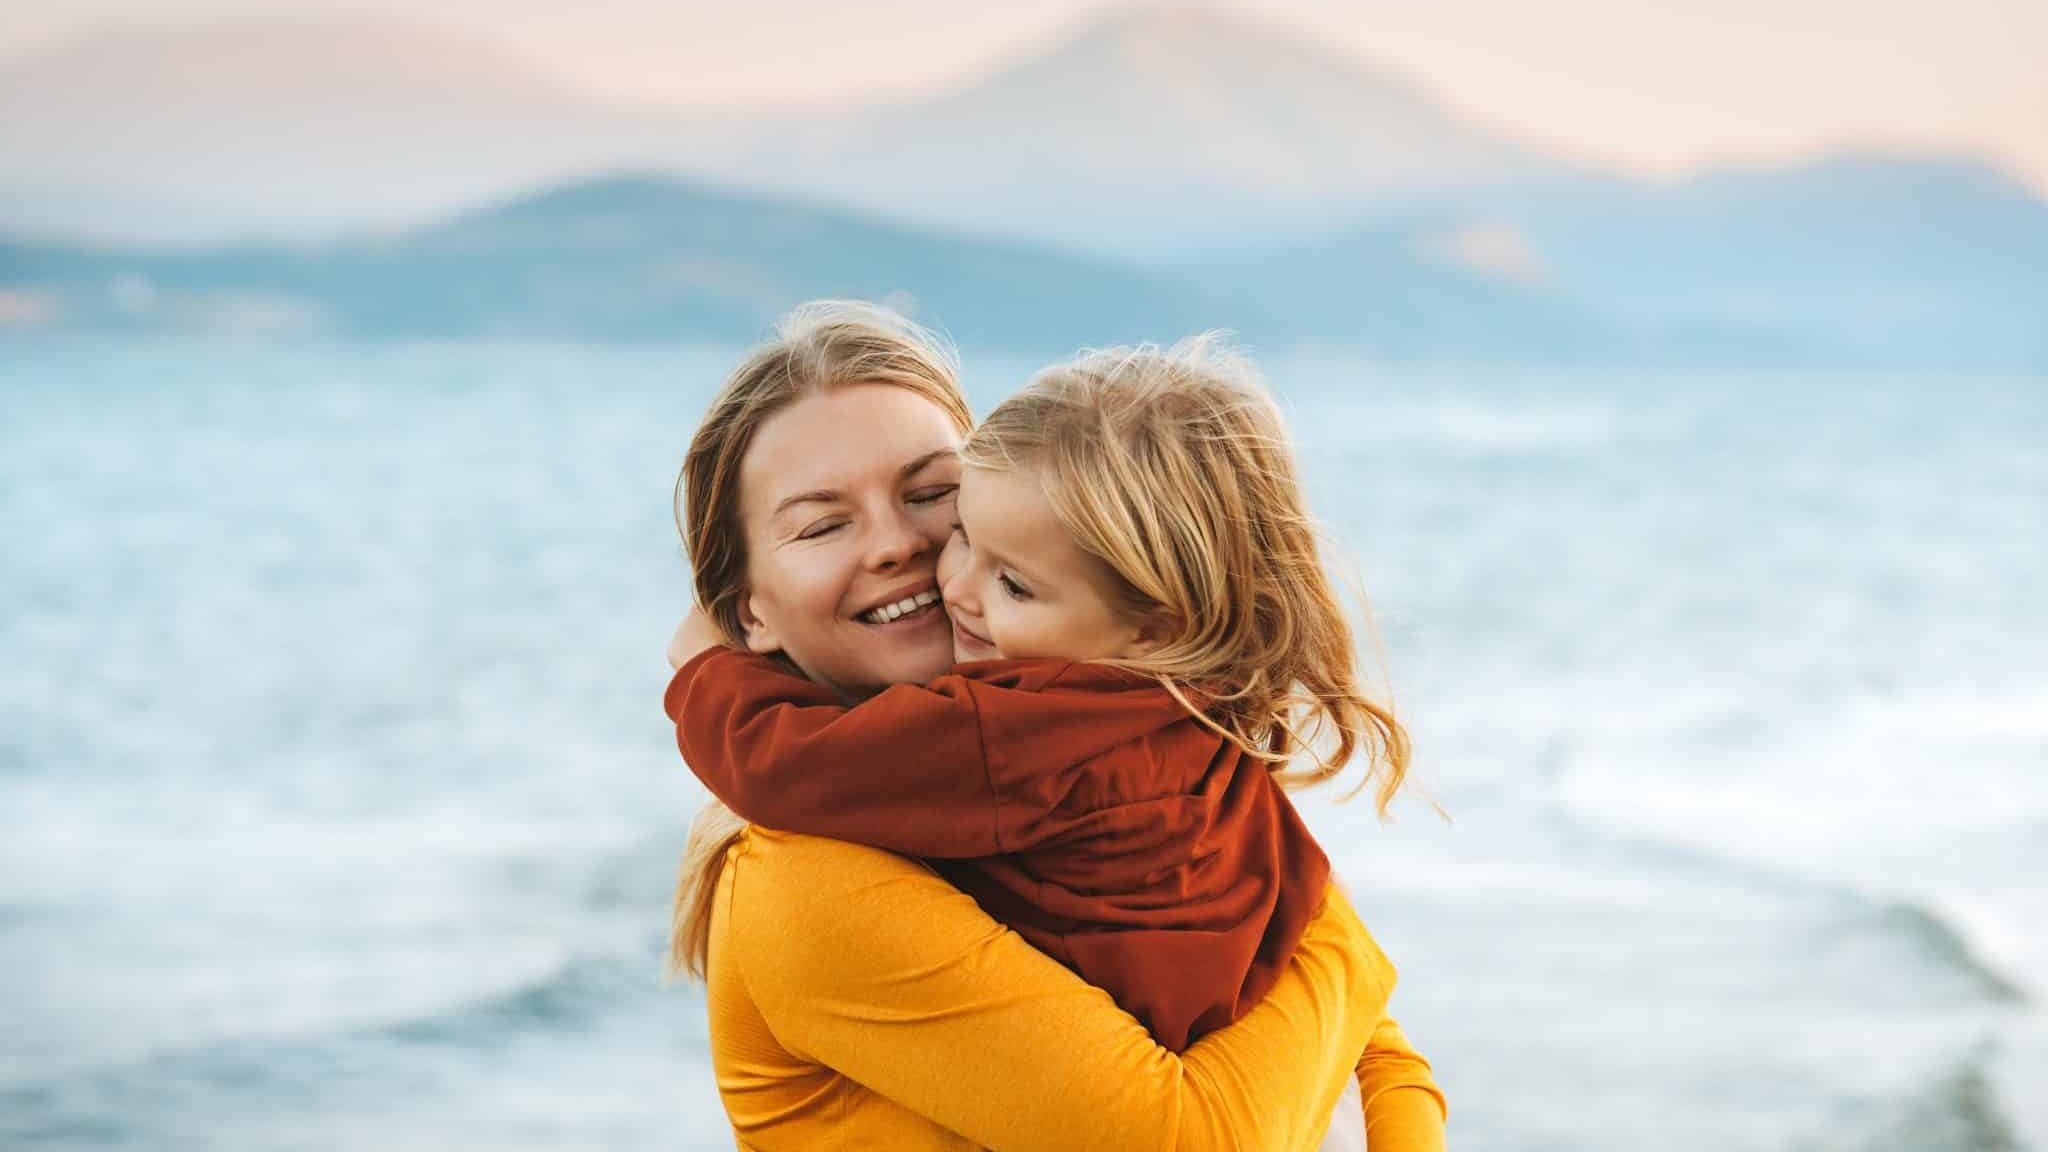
856, 998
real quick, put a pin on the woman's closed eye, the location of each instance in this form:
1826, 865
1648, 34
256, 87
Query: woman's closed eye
933, 494
820, 529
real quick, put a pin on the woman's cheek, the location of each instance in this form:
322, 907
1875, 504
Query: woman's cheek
824, 574
848, 559
935, 522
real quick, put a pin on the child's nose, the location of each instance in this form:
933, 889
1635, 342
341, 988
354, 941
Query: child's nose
953, 582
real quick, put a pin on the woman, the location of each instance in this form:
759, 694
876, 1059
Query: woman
855, 998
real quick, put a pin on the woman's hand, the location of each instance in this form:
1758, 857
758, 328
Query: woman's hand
695, 634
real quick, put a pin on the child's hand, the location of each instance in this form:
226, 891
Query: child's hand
693, 635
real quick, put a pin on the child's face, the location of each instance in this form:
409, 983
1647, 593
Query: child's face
1017, 586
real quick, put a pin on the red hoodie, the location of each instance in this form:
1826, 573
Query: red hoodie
1079, 804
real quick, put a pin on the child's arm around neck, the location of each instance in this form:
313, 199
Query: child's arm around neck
693, 637
905, 771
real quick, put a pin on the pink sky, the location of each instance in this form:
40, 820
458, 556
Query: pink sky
1660, 87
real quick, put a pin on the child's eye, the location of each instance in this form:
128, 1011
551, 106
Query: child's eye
933, 494
1015, 590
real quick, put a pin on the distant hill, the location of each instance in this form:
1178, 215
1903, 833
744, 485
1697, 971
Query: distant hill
1140, 129
638, 257
1144, 173
1892, 261
1868, 260
628, 258
1854, 263
1133, 130
288, 124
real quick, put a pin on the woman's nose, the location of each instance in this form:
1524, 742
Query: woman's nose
896, 542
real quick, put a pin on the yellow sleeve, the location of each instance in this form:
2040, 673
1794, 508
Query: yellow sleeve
873, 966
1404, 1109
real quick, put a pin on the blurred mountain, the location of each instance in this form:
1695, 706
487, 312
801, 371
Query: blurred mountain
1890, 261
637, 257
627, 257
1142, 129
1852, 263
1148, 172
287, 125
1865, 260
1135, 129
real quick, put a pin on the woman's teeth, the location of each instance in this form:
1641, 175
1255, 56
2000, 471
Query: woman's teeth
903, 607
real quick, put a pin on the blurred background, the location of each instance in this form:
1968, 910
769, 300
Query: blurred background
1674, 375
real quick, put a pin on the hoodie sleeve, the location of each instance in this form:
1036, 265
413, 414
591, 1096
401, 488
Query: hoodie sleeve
905, 770
1404, 1108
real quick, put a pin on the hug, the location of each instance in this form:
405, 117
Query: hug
999, 722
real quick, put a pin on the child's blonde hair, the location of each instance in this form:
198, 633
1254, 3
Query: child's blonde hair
1173, 467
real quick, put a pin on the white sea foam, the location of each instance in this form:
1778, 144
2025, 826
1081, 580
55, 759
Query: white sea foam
1937, 799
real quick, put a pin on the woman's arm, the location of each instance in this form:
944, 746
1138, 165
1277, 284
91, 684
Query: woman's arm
873, 966
1404, 1109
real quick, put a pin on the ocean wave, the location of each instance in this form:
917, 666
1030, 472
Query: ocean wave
1956, 1110
1939, 941
1841, 800
127, 1104
576, 996
1933, 935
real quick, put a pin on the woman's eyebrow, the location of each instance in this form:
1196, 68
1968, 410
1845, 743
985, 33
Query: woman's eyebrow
922, 462
833, 495
815, 496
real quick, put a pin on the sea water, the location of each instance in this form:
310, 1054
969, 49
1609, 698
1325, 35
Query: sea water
340, 811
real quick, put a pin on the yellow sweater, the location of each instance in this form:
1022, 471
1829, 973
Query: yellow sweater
859, 1001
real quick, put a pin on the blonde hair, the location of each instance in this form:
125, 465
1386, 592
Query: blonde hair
818, 347
1174, 469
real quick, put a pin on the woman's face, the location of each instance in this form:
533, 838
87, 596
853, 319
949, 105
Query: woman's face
846, 498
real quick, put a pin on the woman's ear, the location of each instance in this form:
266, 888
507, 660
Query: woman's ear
761, 639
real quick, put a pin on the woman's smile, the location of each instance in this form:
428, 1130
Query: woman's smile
905, 609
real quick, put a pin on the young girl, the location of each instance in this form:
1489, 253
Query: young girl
1148, 640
